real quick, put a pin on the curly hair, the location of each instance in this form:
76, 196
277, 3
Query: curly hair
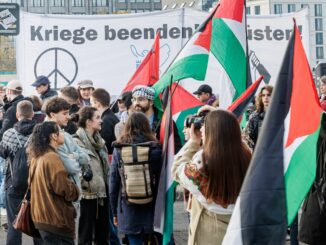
259, 101
56, 105
40, 140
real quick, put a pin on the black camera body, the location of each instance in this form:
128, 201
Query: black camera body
197, 120
87, 173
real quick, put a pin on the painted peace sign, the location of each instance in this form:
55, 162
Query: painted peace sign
58, 64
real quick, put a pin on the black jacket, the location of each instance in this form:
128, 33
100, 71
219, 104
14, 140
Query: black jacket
313, 218
48, 94
109, 121
9, 117
10, 144
72, 126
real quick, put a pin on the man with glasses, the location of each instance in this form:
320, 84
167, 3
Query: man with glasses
42, 87
256, 118
143, 101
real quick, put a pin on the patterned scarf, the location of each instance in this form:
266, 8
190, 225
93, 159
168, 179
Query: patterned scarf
94, 143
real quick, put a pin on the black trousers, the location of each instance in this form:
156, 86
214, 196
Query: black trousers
93, 222
51, 239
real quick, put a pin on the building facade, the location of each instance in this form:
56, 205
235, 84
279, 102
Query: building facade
88, 6
204, 5
317, 20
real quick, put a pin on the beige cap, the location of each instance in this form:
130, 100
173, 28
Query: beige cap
15, 85
85, 84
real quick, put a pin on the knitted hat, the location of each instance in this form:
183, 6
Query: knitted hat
143, 91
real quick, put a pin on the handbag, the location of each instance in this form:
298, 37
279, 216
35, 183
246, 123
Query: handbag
23, 221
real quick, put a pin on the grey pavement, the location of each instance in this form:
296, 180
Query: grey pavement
180, 227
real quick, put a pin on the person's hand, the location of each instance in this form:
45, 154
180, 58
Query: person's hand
195, 134
206, 108
115, 220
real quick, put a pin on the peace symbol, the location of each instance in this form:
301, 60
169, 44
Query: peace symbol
50, 60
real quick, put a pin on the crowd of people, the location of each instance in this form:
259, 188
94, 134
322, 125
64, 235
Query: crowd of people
93, 166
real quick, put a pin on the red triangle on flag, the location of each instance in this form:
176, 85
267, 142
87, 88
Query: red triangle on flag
303, 95
204, 38
148, 72
182, 99
230, 9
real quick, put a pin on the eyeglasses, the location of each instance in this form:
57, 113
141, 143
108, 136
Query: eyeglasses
266, 95
139, 99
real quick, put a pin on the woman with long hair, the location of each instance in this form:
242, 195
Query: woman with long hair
135, 220
52, 192
213, 173
94, 214
255, 121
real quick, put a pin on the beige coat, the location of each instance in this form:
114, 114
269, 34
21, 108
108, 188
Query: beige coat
206, 227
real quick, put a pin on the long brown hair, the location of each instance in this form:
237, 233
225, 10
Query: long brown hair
225, 156
136, 126
259, 100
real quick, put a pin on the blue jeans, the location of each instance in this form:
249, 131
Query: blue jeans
113, 234
2, 183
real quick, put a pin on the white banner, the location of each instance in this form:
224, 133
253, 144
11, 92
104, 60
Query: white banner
107, 49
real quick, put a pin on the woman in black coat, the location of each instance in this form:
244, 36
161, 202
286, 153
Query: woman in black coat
134, 220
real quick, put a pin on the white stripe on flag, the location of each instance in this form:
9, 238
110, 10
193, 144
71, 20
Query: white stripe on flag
233, 234
238, 29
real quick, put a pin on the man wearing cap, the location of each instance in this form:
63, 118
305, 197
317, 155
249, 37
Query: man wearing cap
14, 94
42, 86
85, 89
143, 101
204, 94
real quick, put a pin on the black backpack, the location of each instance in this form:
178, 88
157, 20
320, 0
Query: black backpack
19, 168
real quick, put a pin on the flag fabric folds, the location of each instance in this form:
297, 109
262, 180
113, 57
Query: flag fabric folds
283, 166
239, 105
216, 52
148, 72
163, 217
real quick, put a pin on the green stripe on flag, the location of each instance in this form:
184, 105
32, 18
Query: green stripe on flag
228, 51
168, 223
191, 66
300, 174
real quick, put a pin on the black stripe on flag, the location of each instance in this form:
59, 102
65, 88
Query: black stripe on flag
263, 197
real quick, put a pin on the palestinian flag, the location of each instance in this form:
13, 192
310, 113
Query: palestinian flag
240, 104
216, 52
183, 105
148, 71
163, 217
283, 166
228, 51
192, 60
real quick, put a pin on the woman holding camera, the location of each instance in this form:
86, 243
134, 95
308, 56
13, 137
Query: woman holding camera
94, 217
213, 173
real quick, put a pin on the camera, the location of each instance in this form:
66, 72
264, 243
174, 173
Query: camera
87, 173
197, 120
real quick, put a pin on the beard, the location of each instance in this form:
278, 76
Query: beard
142, 109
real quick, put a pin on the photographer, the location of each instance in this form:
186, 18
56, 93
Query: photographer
213, 173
